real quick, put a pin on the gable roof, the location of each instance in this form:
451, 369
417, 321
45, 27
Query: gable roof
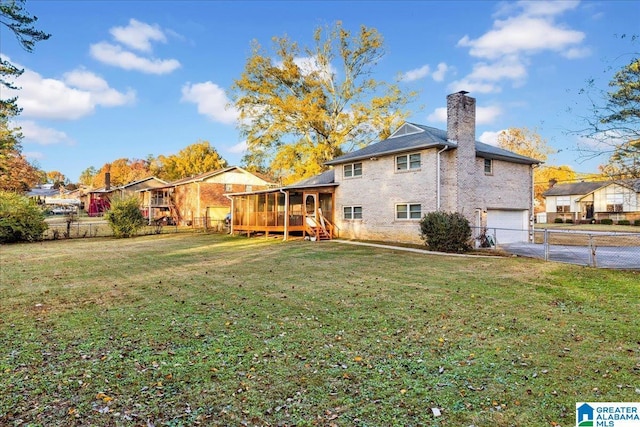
209, 174
412, 136
576, 188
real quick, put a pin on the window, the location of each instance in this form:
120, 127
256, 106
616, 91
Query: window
353, 169
352, 212
488, 167
248, 188
615, 202
228, 187
563, 204
407, 162
409, 211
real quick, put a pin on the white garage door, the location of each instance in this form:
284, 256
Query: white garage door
510, 226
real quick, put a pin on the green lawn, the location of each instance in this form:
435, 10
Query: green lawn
188, 329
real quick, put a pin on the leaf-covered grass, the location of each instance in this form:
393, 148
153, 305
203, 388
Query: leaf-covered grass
218, 330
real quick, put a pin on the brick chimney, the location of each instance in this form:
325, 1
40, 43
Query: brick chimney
107, 180
461, 129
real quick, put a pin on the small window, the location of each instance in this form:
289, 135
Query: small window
408, 161
353, 169
248, 188
488, 167
563, 204
228, 187
409, 211
352, 212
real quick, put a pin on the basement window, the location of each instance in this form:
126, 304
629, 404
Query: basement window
408, 211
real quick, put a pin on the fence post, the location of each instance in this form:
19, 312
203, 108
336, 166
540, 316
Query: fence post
592, 252
546, 244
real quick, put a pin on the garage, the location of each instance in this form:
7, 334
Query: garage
509, 225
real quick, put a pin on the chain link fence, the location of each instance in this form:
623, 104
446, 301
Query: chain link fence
600, 249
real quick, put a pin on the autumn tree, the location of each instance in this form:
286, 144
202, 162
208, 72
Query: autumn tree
87, 175
613, 126
529, 143
192, 160
302, 107
122, 171
56, 178
20, 23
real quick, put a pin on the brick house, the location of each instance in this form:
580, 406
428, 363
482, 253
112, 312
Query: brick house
199, 199
594, 201
383, 190
98, 201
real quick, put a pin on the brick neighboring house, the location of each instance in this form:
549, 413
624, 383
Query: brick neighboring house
594, 201
383, 190
200, 199
98, 201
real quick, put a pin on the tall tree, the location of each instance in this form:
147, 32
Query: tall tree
121, 171
20, 22
299, 111
613, 127
527, 142
86, 176
20, 175
194, 159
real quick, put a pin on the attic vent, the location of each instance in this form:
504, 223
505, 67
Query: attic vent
406, 129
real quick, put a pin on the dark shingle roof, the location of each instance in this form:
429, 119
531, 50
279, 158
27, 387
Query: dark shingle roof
427, 137
325, 178
575, 188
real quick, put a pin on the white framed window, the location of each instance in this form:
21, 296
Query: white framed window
228, 187
352, 212
615, 202
353, 169
408, 162
488, 167
248, 188
563, 204
408, 211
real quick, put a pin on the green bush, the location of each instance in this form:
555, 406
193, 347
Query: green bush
636, 222
446, 232
607, 221
568, 221
21, 220
624, 222
558, 220
124, 216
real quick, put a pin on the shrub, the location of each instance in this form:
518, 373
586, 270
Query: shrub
124, 216
568, 221
606, 221
636, 222
446, 232
624, 222
21, 220
558, 220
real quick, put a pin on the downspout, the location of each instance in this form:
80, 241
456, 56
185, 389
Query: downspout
231, 218
286, 214
438, 177
532, 206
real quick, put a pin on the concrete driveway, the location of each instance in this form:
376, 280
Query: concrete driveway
620, 257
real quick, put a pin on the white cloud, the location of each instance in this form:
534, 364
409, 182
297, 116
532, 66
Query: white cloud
438, 75
114, 55
138, 35
486, 115
42, 135
212, 101
439, 115
75, 96
416, 74
489, 137
524, 29
522, 35
239, 148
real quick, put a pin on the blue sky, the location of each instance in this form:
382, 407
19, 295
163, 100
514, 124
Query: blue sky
132, 78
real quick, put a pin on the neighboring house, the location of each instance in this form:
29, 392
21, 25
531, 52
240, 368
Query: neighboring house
594, 201
199, 199
383, 190
56, 200
98, 201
